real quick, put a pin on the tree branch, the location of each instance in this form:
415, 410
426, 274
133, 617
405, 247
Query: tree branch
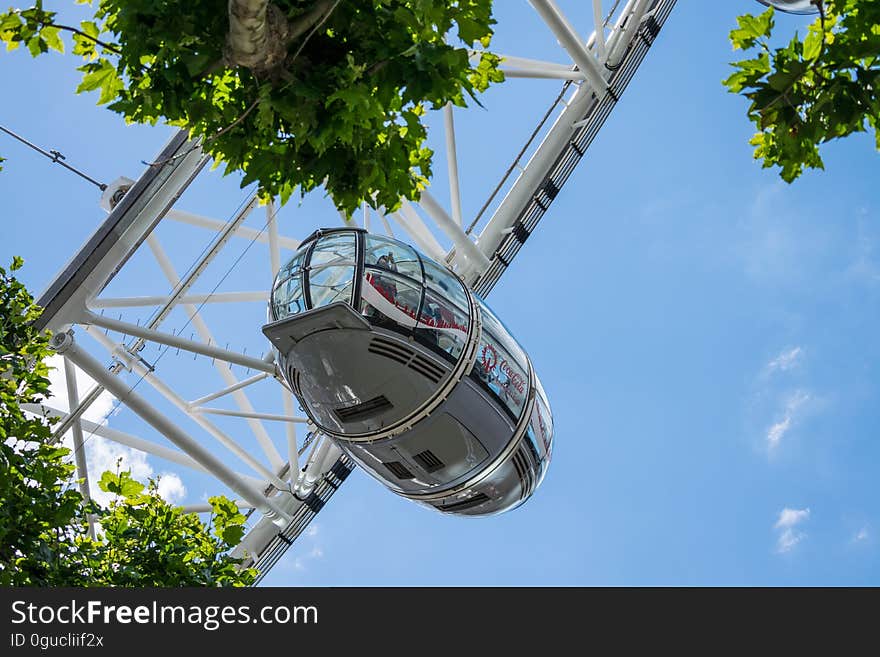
305, 22
67, 28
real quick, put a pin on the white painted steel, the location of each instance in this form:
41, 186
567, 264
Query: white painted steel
247, 414
79, 453
64, 344
181, 404
221, 366
571, 41
225, 391
217, 297
242, 231
452, 163
171, 340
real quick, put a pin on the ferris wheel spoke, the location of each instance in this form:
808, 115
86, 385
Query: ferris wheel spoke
122, 354
158, 300
65, 344
245, 232
222, 367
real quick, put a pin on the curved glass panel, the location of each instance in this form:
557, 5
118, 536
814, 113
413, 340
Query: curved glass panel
386, 297
494, 325
330, 284
287, 291
287, 297
393, 256
335, 249
331, 269
440, 279
499, 372
541, 424
443, 325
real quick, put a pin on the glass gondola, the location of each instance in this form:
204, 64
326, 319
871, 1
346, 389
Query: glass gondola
410, 373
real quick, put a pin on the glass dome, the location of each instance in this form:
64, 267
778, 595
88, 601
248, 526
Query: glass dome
388, 282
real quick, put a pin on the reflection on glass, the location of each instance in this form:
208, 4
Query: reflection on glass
439, 279
501, 374
492, 324
392, 256
294, 265
443, 325
330, 284
287, 297
333, 250
389, 297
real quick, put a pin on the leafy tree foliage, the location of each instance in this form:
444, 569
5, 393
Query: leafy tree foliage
812, 90
343, 108
44, 538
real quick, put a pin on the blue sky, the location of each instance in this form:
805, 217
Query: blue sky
705, 332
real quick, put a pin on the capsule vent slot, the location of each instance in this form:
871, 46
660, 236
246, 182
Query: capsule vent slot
469, 503
364, 410
399, 470
429, 461
406, 356
427, 368
521, 464
391, 350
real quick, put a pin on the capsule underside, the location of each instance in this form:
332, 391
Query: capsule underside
391, 356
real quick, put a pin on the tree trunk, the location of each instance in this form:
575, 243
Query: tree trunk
257, 36
259, 33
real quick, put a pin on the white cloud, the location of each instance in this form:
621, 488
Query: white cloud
103, 454
171, 488
793, 406
785, 361
58, 398
789, 535
311, 549
791, 517
861, 535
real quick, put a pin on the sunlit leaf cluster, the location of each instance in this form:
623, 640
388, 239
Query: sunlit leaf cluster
814, 89
344, 109
44, 539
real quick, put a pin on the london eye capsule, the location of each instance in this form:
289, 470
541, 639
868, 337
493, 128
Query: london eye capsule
410, 373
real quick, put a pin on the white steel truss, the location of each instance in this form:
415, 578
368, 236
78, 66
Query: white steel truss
287, 479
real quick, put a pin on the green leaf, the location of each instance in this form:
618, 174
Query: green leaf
37, 46
751, 28
812, 45
101, 75
53, 41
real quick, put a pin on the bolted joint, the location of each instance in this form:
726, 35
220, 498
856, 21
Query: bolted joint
61, 342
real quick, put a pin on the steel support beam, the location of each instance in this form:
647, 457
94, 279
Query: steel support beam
126, 360
217, 297
79, 455
240, 231
476, 261
204, 332
452, 164
248, 414
171, 340
126, 439
572, 43
64, 344
225, 391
